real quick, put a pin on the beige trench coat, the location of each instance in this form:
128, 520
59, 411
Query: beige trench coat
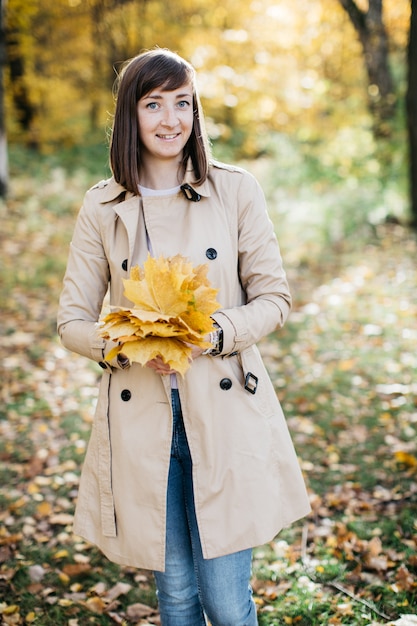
247, 480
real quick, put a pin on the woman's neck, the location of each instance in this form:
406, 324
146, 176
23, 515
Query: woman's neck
160, 175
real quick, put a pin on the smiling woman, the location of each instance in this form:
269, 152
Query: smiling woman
158, 86
165, 121
189, 468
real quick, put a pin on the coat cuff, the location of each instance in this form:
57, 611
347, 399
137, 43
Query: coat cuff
234, 339
98, 352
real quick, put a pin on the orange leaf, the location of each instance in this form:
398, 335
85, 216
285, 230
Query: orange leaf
95, 604
405, 458
74, 569
44, 509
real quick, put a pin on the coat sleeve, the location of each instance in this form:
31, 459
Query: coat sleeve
85, 285
261, 274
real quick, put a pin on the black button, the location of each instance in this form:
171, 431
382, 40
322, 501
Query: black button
211, 253
124, 265
103, 365
225, 383
125, 395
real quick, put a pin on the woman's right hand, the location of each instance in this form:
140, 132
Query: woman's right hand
160, 367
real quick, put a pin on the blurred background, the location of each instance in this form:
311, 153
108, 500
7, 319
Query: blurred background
318, 98
318, 84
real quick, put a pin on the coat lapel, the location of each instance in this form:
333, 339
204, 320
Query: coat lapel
128, 212
126, 205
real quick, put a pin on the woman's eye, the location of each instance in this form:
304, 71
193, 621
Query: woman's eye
183, 104
152, 105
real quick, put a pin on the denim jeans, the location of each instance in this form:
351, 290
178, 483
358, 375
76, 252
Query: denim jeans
193, 588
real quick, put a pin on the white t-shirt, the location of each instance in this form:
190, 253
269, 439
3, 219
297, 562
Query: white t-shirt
146, 192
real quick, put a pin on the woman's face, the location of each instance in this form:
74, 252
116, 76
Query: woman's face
165, 122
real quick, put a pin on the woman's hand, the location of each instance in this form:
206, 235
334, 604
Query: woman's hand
160, 367
196, 351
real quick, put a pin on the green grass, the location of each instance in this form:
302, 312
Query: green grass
344, 367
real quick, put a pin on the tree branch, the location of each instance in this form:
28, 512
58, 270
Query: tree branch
356, 15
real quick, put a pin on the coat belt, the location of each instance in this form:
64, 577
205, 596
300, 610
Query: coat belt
107, 510
249, 365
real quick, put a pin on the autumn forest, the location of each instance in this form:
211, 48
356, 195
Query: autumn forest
318, 99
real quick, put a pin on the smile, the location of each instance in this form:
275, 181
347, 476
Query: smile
167, 137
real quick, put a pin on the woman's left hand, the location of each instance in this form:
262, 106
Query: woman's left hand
195, 351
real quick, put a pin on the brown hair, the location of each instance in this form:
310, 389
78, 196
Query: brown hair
139, 76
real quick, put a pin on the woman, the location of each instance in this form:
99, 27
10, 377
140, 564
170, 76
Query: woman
182, 476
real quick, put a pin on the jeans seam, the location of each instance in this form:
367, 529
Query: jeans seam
192, 539
178, 415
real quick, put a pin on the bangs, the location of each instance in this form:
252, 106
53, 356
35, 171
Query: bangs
167, 74
177, 79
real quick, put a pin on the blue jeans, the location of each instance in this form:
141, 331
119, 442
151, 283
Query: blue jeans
193, 588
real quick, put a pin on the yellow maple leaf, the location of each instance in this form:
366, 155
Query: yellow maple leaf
119, 328
161, 286
173, 303
175, 353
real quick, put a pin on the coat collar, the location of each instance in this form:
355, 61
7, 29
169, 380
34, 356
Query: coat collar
112, 189
203, 189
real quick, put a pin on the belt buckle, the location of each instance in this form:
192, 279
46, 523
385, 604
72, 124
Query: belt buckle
251, 382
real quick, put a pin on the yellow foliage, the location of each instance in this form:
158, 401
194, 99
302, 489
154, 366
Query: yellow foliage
61, 554
44, 508
173, 302
68, 49
406, 458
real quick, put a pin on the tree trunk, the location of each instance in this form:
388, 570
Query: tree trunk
411, 101
4, 174
372, 34
21, 97
102, 57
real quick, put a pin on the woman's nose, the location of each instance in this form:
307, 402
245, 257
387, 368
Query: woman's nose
170, 118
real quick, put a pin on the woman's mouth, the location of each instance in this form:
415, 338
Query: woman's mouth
168, 137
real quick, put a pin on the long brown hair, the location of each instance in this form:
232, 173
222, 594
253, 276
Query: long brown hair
145, 72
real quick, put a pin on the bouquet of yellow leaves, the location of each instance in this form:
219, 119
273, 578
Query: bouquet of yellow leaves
172, 306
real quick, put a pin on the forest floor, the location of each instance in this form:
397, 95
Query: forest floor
344, 368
